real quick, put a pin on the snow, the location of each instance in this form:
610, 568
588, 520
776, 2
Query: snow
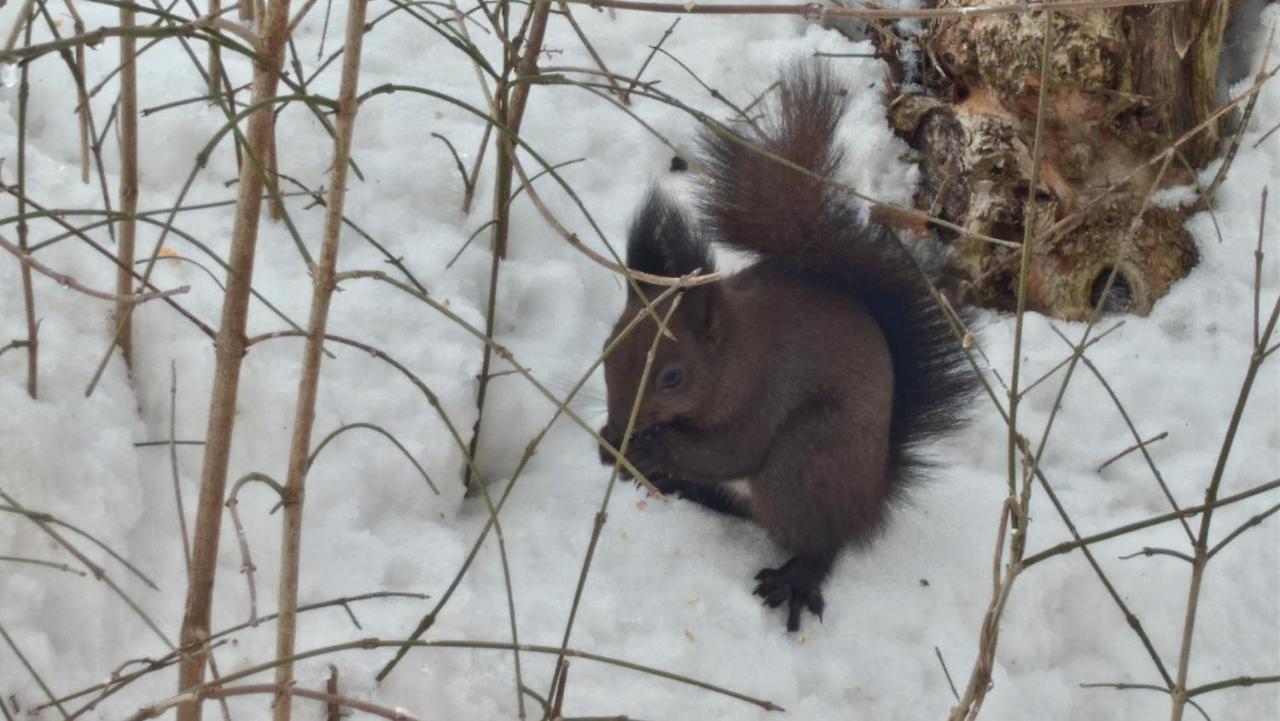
669, 586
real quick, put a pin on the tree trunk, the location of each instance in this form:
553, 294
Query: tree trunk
1124, 85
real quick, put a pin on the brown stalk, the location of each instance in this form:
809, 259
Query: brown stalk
308, 386
1016, 508
31, 670
214, 66
1139, 445
229, 352
247, 566
95, 145
653, 50
119, 680
173, 465
28, 291
128, 179
333, 699
1147, 523
602, 515
591, 50
82, 110
1200, 559
508, 109
369, 644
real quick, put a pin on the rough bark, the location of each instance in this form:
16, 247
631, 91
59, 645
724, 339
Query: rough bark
1125, 83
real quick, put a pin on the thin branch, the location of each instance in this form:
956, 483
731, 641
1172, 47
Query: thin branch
118, 681
1147, 523
1140, 444
246, 560
230, 351
1253, 521
279, 689
653, 50
68, 282
129, 177
369, 644
315, 452
309, 381
173, 465
28, 291
1148, 552
947, 673
1239, 681
35, 675
47, 564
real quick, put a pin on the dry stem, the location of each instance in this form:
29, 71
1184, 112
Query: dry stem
308, 385
128, 180
509, 105
28, 292
230, 351
29, 261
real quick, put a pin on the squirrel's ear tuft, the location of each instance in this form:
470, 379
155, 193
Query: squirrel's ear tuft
663, 241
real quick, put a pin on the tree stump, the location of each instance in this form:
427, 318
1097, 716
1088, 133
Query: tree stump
1124, 84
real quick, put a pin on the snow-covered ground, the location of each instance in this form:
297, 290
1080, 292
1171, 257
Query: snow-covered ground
670, 583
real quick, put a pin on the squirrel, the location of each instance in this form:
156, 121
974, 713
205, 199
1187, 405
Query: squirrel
814, 373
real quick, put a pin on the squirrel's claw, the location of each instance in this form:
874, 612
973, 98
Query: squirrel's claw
794, 584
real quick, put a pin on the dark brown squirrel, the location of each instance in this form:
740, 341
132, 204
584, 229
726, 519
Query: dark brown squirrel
813, 373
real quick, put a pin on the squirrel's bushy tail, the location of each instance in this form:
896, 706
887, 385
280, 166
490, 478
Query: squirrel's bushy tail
798, 225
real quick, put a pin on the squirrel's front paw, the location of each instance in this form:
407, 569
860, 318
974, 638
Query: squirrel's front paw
798, 584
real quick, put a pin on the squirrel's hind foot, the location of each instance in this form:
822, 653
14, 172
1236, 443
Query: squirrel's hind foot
798, 582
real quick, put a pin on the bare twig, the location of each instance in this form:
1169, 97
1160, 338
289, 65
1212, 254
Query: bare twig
230, 350
111, 257
369, 644
1140, 444
119, 681
35, 675
1253, 521
47, 564
28, 291
333, 699
1148, 552
315, 452
246, 560
1016, 508
67, 281
509, 106
653, 50
602, 514
1126, 529
309, 383
129, 177
173, 464
1179, 691
1239, 681
945, 672
591, 50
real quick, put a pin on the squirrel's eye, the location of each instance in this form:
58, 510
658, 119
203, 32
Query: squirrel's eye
671, 378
